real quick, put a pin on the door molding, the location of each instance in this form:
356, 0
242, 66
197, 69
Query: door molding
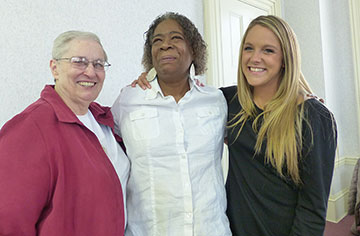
212, 34
354, 7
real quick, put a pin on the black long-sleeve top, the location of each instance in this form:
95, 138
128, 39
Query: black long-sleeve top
260, 202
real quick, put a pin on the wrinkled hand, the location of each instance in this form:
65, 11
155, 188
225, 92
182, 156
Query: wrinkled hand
142, 82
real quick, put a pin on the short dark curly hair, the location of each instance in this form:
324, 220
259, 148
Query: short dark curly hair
191, 34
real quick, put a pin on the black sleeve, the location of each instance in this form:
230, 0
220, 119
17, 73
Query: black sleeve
316, 169
229, 92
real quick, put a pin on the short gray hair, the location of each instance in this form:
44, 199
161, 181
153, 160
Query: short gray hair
61, 43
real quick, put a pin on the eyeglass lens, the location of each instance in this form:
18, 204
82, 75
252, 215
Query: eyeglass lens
83, 63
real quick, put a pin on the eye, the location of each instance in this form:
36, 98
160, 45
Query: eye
79, 61
177, 37
155, 40
268, 50
248, 48
99, 64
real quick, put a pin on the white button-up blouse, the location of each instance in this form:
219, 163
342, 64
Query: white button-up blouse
176, 184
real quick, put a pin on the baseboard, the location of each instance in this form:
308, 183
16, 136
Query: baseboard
337, 207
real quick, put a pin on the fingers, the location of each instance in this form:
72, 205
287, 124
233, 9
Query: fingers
142, 81
133, 84
137, 82
199, 83
315, 97
143, 85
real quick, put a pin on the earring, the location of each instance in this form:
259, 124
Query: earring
192, 71
151, 74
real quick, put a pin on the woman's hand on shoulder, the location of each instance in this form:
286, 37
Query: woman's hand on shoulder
309, 96
141, 81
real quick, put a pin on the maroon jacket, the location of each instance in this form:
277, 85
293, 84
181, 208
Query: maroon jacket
55, 178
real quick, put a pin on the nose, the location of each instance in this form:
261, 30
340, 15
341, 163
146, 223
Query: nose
256, 56
90, 70
166, 44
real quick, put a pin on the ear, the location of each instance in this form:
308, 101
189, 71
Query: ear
54, 68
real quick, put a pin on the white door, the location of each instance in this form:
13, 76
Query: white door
235, 18
225, 22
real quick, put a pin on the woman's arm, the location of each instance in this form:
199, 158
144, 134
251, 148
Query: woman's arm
24, 178
316, 169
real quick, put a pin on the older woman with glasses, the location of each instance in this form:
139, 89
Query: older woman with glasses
62, 172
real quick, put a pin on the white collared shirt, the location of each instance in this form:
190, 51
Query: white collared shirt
176, 184
112, 149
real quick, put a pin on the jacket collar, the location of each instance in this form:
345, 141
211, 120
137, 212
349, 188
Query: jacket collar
64, 114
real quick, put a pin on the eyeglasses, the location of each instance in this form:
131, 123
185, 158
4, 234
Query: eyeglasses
82, 63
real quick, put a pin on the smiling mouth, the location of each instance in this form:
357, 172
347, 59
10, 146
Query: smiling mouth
86, 84
254, 69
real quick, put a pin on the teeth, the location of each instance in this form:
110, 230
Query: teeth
256, 69
87, 84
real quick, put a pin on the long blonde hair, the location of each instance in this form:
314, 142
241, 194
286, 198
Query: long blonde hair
281, 126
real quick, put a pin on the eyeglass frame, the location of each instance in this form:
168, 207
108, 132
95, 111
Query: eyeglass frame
87, 61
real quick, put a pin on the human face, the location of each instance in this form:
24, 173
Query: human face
262, 59
171, 53
77, 87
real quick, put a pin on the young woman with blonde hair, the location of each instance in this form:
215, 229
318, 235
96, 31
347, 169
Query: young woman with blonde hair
281, 144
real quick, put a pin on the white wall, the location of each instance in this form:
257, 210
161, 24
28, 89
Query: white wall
323, 30
303, 16
28, 29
